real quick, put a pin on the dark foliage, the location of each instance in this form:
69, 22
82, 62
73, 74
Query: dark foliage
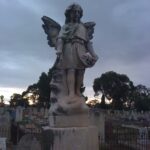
18, 100
115, 87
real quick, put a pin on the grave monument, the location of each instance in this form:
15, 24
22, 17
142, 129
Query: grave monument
68, 114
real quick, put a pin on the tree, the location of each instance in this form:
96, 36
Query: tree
31, 94
39, 93
115, 87
1, 101
44, 89
141, 97
18, 100
142, 90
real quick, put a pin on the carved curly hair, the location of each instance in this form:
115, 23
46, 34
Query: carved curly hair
71, 7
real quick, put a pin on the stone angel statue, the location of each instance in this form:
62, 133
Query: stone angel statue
75, 53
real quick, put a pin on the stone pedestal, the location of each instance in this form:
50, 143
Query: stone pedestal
71, 138
81, 120
70, 132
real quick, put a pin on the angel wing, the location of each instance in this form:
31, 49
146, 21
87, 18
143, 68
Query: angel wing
52, 29
90, 28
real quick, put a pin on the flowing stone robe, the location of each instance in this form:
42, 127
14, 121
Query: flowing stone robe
75, 37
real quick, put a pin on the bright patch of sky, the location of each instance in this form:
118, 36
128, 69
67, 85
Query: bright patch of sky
7, 92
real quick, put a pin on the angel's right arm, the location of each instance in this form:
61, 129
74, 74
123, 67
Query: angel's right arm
59, 46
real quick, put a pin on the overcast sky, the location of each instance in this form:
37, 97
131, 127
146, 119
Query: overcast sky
121, 40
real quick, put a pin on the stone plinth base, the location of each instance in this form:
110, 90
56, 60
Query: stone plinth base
73, 138
81, 120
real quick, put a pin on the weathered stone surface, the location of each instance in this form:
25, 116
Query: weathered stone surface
75, 138
81, 120
2, 143
29, 142
68, 120
75, 53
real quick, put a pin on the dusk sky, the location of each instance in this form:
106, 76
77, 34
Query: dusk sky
121, 40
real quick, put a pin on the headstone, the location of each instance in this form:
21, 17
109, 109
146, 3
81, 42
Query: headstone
35, 111
19, 113
4, 119
143, 136
5, 125
29, 142
30, 111
46, 113
1, 110
2, 143
42, 111
12, 114
99, 122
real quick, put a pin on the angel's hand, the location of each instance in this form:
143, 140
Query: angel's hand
58, 53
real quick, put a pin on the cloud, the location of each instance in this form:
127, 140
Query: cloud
121, 38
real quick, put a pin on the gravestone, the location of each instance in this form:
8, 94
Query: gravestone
1, 110
42, 111
19, 113
29, 142
46, 113
99, 122
5, 125
143, 136
2, 143
35, 111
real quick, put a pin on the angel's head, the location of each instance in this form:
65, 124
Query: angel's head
73, 13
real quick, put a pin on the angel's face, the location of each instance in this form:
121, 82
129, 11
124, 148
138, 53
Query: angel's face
75, 15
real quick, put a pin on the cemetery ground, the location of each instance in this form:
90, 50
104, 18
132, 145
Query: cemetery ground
120, 130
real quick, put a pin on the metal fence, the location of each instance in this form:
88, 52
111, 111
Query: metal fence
125, 138
5, 131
